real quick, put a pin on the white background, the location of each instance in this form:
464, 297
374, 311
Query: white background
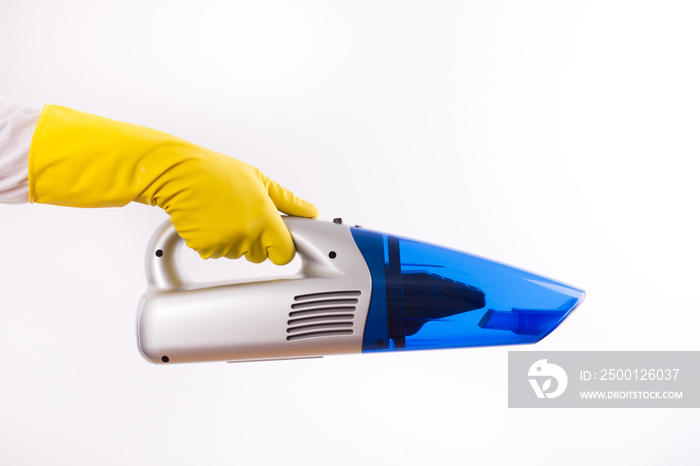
560, 137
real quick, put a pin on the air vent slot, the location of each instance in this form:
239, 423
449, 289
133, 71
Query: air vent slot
322, 310
308, 320
315, 327
325, 314
325, 302
332, 333
327, 295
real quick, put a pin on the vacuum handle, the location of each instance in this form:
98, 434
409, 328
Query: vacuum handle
314, 241
163, 264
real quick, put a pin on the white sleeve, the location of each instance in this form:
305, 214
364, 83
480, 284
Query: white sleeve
17, 123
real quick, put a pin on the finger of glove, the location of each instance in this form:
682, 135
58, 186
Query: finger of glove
246, 244
257, 253
286, 201
278, 242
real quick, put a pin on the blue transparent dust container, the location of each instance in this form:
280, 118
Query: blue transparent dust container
426, 296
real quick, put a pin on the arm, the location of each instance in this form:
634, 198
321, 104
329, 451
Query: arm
220, 206
17, 123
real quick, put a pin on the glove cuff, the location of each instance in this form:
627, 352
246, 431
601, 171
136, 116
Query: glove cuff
78, 159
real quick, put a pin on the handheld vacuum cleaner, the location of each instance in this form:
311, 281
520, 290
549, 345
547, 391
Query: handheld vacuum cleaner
358, 291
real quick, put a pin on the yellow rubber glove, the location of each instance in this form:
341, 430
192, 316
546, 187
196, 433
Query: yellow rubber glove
220, 206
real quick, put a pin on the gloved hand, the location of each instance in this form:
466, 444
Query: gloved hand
220, 206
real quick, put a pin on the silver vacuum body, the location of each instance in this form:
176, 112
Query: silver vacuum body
319, 311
